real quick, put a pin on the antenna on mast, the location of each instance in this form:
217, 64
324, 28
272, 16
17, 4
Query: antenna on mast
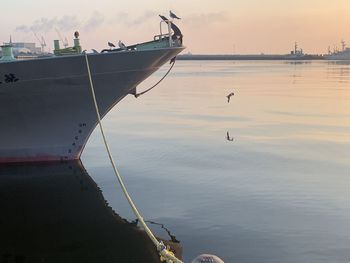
335, 49
43, 43
343, 45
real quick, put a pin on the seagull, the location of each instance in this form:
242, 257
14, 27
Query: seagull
229, 97
165, 19
122, 45
228, 137
172, 15
111, 44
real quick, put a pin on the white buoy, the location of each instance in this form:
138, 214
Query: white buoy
206, 258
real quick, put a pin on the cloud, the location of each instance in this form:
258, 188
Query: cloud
68, 23
124, 18
95, 21
207, 18
45, 25
65, 23
141, 19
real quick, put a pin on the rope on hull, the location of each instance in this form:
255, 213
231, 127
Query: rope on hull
172, 62
159, 245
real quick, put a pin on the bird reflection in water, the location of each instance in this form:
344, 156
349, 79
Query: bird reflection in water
55, 212
230, 139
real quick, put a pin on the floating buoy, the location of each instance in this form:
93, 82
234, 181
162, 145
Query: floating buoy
206, 258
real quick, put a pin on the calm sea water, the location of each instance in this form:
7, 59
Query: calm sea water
264, 178
277, 192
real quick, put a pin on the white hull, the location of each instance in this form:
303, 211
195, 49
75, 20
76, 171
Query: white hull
343, 55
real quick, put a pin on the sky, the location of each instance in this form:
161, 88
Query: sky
208, 26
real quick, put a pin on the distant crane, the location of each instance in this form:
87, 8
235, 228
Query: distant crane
64, 41
41, 41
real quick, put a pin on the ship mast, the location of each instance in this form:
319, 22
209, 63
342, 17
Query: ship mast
343, 45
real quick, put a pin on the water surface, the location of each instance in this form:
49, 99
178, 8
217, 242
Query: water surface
277, 192
264, 178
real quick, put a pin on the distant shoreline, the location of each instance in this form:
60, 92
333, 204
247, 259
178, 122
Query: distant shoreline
249, 57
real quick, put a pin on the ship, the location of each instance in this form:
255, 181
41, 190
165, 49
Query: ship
46, 106
343, 54
296, 53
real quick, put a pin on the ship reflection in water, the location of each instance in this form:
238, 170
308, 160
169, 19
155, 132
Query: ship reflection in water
56, 213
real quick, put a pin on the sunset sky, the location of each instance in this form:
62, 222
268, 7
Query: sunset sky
220, 26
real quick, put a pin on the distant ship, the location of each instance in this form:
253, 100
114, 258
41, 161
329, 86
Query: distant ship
344, 54
46, 107
296, 53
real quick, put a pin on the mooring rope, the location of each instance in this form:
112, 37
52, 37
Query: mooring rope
159, 245
172, 61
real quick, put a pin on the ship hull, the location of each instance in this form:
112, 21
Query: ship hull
343, 55
46, 107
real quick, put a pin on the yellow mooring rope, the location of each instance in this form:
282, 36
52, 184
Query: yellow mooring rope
159, 245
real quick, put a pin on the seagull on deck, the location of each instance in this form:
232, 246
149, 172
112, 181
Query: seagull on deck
229, 97
122, 45
111, 44
172, 15
165, 19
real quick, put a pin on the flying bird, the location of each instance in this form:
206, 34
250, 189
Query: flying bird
111, 44
121, 45
172, 15
229, 97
